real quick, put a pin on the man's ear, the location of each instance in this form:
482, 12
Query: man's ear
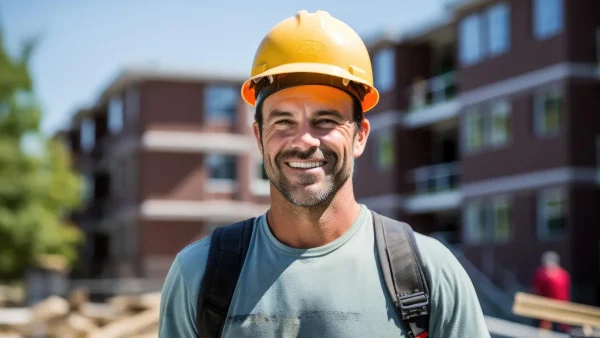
360, 140
256, 130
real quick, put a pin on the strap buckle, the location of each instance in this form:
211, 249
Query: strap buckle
413, 301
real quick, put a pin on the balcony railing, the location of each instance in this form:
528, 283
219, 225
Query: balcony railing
436, 178
432, 91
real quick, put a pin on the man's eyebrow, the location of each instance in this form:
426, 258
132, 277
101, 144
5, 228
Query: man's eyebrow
330, 112
278, 113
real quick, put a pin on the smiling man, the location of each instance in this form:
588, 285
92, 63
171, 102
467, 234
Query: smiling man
317, 264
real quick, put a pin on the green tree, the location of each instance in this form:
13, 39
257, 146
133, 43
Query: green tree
37, 189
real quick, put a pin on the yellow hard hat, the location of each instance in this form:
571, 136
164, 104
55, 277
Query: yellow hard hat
312, 48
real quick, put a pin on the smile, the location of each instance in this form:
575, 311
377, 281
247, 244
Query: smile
306, 165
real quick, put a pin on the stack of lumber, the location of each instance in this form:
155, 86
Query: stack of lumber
76, 317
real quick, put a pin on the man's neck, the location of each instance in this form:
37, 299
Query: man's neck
305, 228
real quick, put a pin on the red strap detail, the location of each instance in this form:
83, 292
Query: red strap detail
423, 335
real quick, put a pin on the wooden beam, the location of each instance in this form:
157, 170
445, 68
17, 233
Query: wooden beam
543, 308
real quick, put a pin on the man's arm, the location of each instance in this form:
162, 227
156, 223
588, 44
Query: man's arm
177, 314
455, 309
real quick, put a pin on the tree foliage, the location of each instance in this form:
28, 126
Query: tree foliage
37, 190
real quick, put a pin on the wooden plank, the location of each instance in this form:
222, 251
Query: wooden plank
15, 316
136, 302
537, 307
100, 313
128, 326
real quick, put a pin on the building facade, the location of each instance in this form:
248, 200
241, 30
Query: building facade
166, 158
488, 134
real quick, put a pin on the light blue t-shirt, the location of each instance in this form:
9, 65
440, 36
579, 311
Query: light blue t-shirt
336, 290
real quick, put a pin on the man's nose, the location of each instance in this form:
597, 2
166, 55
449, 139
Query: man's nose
305, 139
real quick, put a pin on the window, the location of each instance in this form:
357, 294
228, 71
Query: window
474, 130
115, 115
488, 220
384, 66
385, 150
475, 222
547, 18
485, 34
501, 219
499, 29
471, 43
88, 137
132, 104
87, 187
487, 125
547, 110
499, 123
220, 103
551, 214
221, 166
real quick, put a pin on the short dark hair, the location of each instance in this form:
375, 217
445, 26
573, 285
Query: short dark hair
357, 115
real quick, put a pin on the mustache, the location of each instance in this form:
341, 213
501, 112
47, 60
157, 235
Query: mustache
316, 154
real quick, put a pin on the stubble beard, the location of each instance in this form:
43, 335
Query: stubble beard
332, 183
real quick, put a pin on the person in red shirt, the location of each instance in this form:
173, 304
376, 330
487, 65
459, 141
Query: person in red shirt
554, 282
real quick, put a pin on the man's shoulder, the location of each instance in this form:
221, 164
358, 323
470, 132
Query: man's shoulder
192, 259
436, 257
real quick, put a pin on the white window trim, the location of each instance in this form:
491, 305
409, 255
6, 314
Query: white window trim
220, 186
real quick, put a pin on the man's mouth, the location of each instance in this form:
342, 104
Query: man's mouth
306, 165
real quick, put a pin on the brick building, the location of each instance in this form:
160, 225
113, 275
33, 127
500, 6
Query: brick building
166, 157
488, 131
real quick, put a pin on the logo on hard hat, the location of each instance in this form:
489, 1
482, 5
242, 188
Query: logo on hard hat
311, 48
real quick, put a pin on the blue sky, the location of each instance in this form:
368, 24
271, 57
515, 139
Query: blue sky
86, 43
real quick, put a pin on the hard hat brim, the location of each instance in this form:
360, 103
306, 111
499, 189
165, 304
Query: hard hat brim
369, 101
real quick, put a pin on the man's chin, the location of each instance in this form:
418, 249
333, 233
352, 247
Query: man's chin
308, 195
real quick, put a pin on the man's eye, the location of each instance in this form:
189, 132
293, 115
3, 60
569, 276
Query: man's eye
326, 121
284, 122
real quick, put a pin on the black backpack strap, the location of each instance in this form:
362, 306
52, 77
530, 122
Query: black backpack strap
403, 273
228, 249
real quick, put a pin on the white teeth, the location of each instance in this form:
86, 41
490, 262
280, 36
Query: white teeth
305, 165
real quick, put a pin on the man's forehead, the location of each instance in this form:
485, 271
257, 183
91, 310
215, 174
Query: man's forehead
309, 98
